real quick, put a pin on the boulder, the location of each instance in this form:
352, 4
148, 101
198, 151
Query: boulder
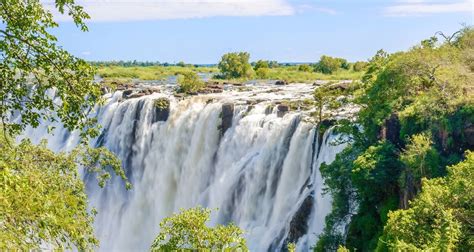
281, 82
282, 110
161, 110
341, 86
227, 116
127, 93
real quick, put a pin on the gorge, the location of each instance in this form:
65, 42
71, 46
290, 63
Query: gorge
239, 152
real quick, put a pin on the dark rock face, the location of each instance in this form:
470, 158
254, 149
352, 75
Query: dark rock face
126, 93
469, 135
299, 223
162, 110
281, 82
282, 110
390, 131
227, 115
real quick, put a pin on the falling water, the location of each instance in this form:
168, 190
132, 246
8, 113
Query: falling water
261, 171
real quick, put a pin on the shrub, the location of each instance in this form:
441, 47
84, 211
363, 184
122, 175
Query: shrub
188, 231
360, 66
304, 68
262, 73
189, 82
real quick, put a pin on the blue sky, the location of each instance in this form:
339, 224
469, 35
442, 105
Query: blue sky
200, 31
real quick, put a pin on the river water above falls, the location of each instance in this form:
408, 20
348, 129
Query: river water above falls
235, 151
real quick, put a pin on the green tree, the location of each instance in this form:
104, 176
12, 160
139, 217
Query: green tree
324, 96
189, 82
440, 217
329, 65
261, 64
188, 231
235, 65
31, 64
42, 197
181, 64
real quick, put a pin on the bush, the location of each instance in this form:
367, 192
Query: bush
188, 231
261, 64
235, 65
360, 66
262, 73
189, 82
304, 68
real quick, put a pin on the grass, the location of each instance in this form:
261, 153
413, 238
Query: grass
148, 72
287, 73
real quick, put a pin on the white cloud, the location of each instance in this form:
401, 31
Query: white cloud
309, 7
421, 7
135, 10
86, 53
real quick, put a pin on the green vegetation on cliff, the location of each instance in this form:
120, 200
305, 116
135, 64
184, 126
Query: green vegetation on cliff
416, 119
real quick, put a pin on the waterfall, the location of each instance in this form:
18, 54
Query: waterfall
258, 167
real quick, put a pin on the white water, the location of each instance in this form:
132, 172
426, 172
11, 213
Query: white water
258, 174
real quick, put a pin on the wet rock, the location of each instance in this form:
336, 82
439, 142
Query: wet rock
127, 93
281, 82
162, 109
227, 115
282, 110
299, 222
390, 131
212, 88
136, 95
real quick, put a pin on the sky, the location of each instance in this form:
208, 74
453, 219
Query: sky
201, 31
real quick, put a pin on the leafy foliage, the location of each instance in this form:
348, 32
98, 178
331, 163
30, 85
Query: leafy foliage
189, 82
31, 64
329, 65
188, 231
415, 109
439, 218
235, 65
42, 198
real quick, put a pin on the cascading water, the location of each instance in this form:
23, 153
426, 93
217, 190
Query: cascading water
234, 151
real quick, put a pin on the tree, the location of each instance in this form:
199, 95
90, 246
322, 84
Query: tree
181, 64
329, 65
324, 95
42, 197
261, 64
31, 64
189, 82
440, 217
235, 65
187, 230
